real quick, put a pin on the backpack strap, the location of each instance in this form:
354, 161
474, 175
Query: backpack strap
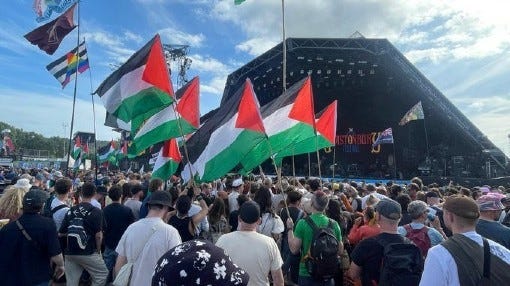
312, 225
27, 236
57, 208
486, 261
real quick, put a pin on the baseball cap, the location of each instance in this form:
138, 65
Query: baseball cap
489, 203
237, 182
198, 262
249, 212
389, 208
34, 199
462, 206
160, 198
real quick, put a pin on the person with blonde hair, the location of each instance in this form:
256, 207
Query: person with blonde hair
11, 203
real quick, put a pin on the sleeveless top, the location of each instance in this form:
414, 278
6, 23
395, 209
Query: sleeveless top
182, 226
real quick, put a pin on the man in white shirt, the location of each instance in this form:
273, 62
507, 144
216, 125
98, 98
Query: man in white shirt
59, 205
254, 252
146, 240
461, 214
237, 188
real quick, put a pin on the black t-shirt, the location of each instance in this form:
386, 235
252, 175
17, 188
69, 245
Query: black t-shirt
21, 261
295, 214
93, 223
368, 255
233, 220
117, 219
406, 218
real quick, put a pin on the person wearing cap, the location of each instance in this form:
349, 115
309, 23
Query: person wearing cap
254, 252
367, 256
371, 192
301, 237
237, 188
147, 239
30, 247
488, 225
447, 266
198, 262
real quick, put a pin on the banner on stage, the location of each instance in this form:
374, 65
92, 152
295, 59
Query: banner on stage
351, 141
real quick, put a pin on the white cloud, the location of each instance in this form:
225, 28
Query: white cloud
114, 46
256, 46
173, 36
45, 114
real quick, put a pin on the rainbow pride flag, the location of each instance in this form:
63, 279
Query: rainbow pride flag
65, 68
415, 113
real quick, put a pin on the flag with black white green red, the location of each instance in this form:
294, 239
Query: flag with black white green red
173, 121
142, 85
167, 161
108, 153
225, 138
326, 131
77, 148
288, 119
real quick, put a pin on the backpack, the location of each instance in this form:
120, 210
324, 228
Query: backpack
77, 236
322, 258
47, 207
402, 263
419, 237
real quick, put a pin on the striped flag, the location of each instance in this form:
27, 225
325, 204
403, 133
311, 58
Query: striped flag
167, 161
64, 69
385, 137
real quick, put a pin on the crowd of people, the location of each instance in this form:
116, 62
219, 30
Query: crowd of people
131, 229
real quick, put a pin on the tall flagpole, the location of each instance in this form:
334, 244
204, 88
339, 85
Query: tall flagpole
174, 106
284, 44
426, 137
75, 88
334, 155
93, 115
395, 160
293, 163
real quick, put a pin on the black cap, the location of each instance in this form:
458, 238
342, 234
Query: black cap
249, 212
389, 209
34, 199
160, 198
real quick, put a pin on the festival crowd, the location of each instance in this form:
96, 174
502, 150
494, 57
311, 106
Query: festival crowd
130, 229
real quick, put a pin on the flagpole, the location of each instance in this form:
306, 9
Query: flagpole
278, 174
426, 137
309, 168
75, 87
334, 158
293, 164
284, 46
318, 157
93, 114
394, 160
183, 139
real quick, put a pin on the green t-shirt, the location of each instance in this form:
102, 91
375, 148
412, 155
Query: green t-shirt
304, 232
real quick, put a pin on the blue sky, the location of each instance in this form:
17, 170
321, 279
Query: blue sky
462, 47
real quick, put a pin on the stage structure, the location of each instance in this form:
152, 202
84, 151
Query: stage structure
375, 86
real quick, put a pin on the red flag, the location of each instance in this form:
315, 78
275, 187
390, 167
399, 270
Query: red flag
49, 36
303, 109
156, 71
326, 124
247, 108
188, 106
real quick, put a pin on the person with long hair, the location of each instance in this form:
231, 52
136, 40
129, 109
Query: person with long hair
364, 227
11, 203
180, 218
272, 224
217, 221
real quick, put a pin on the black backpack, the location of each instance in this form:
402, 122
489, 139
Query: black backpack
402, 263
48, 211
321, 259
77, 236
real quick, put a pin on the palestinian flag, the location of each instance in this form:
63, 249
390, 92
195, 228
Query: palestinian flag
77, 148
171, 122
288, 119
326, 132
108, 153
141, 85
168, 160
225, 138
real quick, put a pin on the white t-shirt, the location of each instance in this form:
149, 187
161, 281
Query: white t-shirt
59, 215
135, 206
441, 269
270, 225
253, 252
232, 201
149, 238
204, 224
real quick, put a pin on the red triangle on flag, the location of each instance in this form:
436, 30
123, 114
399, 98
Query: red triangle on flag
303, 109
171, 150
326, 124
188, 106
249, 111
156, 71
